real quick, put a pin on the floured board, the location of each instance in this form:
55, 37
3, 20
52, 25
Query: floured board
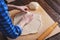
46, 22
31, 27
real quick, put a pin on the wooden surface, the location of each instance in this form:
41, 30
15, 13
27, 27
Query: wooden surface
55, 4
45, 23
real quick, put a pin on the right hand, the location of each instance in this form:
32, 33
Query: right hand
22, 8
26, 19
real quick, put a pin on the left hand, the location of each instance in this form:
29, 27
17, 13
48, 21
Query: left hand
26, 19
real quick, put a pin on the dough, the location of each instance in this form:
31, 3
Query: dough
17, 19
33, 5
31, 27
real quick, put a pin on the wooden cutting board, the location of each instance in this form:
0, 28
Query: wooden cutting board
46, 22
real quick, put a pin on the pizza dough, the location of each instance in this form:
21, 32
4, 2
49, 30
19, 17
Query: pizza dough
31, 27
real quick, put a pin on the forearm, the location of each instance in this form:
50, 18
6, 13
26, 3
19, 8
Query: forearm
10, 5
14, 6
21, 8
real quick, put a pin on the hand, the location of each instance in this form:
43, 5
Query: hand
23, 8
26, 19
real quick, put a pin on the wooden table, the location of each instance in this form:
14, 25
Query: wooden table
46, 22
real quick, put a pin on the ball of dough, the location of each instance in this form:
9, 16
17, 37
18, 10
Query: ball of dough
33, 5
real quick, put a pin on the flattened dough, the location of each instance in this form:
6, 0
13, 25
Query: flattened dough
31, 27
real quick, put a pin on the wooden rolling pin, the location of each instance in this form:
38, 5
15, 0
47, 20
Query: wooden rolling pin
48, 31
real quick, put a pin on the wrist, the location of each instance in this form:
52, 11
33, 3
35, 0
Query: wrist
22, 23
